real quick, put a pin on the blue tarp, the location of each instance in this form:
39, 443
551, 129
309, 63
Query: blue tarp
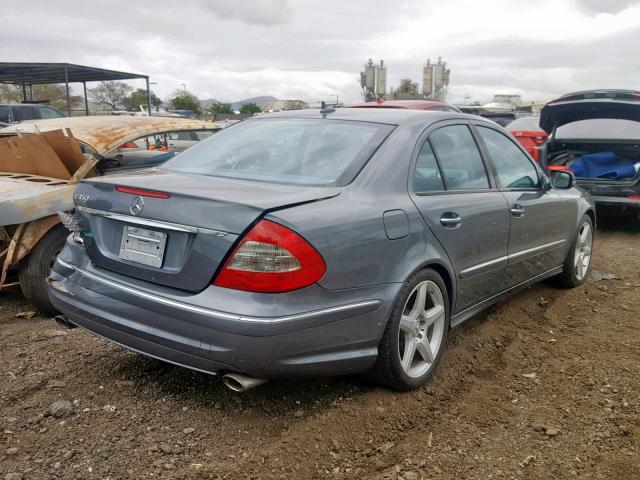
603, 165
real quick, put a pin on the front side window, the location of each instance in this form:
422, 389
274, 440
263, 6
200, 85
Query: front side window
513, 167
459, 158
285, 150
48, 112
426, 177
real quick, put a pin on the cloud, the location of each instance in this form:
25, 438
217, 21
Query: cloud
604, 6
310, 50
257, 12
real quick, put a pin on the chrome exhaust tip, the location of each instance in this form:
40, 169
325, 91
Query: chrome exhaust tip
241, 383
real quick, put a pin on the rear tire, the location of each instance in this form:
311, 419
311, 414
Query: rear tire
415, 336
35, 268
578, 260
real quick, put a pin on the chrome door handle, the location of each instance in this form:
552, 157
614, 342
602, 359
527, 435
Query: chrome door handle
517, 210
450, 220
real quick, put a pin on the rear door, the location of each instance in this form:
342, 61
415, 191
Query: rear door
542, 221
24, 112
5, 114
460, 203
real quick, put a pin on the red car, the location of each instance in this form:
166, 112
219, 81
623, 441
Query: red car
528, 132
408, 104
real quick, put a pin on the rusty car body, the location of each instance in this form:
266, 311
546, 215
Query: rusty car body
40, 164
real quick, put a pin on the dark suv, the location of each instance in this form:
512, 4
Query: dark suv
19, 112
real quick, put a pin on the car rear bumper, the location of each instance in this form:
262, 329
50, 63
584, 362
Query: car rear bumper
338, 337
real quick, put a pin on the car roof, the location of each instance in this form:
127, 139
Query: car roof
25, 105
407, 104
391, 116
104, 133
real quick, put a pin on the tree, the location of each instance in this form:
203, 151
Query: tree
10, 93
139, 97
186, 101
220, 108
51, 93
250, 109
54, 94
110, 93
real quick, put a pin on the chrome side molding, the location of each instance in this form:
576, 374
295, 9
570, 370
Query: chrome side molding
509, 259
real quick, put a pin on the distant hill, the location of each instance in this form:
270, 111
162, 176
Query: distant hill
208, 102
259, 101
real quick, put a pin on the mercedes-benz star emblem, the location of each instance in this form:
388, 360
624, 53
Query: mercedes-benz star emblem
137, 204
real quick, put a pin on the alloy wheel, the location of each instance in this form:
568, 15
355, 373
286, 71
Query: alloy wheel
582, 256
421, 329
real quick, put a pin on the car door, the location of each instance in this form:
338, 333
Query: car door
461, 205
541, 219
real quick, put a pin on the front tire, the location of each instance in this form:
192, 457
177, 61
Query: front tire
35, 268
578, 260
416, 333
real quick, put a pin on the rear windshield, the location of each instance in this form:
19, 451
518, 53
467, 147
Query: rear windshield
600, 129
285, 150
524, 124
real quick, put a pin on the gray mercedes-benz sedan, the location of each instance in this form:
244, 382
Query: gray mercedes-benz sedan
314, 242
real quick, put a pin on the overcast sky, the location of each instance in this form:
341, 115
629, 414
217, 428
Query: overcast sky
307, 49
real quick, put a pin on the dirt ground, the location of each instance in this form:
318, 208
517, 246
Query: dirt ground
545, 385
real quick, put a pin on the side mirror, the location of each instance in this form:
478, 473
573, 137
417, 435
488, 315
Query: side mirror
562, 179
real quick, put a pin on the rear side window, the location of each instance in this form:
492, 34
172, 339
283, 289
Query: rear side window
459, 158
427, 176
513, 167
205, 134
182, 136
286, 150
524, 123
26, 112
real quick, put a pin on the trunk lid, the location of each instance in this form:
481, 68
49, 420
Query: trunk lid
178, 241
620, 104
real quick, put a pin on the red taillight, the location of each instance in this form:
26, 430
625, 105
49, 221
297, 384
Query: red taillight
142, 192
634, 197
129, 145
271, 259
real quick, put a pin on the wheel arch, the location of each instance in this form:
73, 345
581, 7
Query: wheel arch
446, 273
592, 215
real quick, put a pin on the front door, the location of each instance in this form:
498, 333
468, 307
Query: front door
541, 219
466, 213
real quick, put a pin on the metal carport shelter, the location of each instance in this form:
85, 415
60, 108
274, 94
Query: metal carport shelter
28, 74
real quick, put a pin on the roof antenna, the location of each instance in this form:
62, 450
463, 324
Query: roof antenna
324, 110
